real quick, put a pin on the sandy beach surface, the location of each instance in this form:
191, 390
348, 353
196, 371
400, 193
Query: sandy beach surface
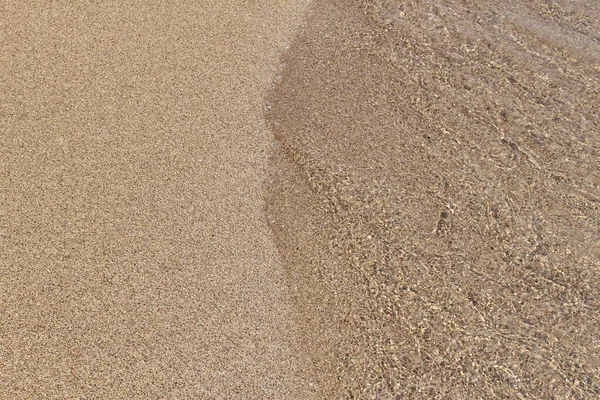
136, 261
366, 199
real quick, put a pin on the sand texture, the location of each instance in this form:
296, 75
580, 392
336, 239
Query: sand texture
435, 197
135, 259
405, 204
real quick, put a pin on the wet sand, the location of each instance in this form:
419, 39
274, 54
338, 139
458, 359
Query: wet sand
435, 197
136, 261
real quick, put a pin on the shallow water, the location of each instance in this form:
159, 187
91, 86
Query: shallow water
435, 197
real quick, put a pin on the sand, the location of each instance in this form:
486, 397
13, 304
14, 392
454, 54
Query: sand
435, 197
136, 261
404, 204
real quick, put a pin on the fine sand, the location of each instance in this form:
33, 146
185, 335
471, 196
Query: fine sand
135, 259
435, 197
405, 204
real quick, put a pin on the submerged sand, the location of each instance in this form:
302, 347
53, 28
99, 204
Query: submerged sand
435, 197
136, 261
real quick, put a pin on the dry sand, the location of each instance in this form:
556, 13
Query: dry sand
135, 260
436, 197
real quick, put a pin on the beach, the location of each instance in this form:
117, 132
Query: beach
302, 199
136, 259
